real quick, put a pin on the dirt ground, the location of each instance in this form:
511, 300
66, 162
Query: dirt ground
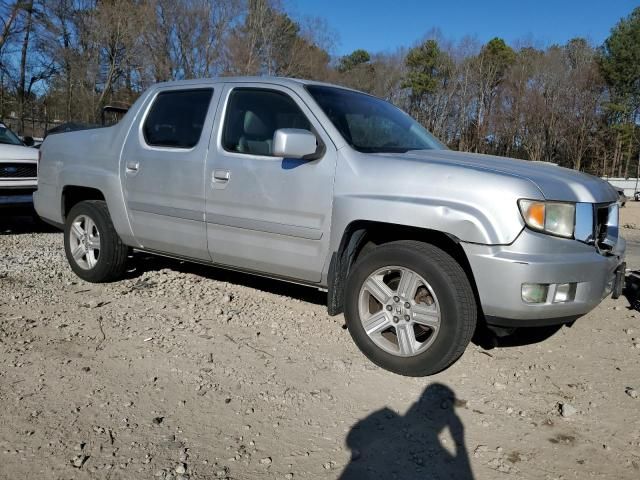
182, 371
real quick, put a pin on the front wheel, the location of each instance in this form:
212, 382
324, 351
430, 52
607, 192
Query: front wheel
410, 308
92, 245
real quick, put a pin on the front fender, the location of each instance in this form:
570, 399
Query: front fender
465, 221
468, 202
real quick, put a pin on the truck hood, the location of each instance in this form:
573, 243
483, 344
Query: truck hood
555, 183
17, 152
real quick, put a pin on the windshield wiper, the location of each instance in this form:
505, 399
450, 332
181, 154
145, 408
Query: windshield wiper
383, 149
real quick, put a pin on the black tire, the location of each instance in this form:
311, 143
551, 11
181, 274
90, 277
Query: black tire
112, 258
455, 298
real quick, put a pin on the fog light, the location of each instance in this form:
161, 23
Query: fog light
565, 292
534, 292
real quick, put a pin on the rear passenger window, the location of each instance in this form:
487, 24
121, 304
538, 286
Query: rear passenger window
253, 115
176, 118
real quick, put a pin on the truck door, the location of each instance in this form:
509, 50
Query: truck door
162, 168
266, 213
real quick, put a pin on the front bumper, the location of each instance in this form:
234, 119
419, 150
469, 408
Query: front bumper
16, 197
499, 272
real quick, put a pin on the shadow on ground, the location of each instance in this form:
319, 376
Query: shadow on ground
632, 290
414, 446
142, 262
487, 339
483, 337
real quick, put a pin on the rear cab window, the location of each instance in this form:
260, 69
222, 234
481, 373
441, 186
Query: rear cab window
176, 118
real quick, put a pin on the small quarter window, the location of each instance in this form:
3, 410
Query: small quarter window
176, 118
253, 115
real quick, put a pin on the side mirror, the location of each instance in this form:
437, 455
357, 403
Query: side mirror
28, 141
294, 143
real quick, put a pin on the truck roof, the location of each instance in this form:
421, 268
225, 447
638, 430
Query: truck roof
287, 81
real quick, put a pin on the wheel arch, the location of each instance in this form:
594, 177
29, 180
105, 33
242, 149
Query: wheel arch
361, 235
91, 186
74, 194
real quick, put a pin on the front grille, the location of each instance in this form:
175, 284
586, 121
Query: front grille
18, 170
606, 226
602, 215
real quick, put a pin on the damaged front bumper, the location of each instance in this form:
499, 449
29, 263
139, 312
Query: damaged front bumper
534, 258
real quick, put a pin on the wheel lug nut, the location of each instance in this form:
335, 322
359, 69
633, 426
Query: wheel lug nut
407, 305
396, 299
396, 319
407, 318
389, 307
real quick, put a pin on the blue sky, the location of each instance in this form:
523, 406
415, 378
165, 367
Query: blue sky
384, 25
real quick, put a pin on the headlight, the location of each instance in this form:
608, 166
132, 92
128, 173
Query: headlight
556, 218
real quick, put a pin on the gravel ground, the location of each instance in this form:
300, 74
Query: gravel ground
182, 371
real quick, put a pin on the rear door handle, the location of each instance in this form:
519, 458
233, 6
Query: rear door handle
132, 167
221, 176
220, 179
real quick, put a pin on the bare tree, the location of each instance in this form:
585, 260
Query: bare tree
65, 59
9, 13
582, 96
22, 92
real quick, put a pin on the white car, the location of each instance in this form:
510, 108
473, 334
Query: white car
18, 171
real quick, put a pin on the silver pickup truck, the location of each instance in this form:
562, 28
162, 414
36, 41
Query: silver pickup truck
336, 189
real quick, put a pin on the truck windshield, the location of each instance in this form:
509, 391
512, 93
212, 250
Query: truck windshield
8, 137
371, 125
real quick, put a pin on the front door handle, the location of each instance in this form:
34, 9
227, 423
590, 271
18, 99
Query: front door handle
132, 167
221, 176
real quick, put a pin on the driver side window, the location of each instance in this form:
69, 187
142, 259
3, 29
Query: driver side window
252, 117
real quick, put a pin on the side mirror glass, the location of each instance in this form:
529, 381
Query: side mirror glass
294, 143
28, 141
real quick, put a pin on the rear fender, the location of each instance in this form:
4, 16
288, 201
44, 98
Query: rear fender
109, 184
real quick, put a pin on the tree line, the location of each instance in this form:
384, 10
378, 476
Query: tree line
576, 104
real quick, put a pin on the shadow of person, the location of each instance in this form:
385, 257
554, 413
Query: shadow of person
386, 445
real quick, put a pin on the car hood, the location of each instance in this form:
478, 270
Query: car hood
555, 183
17, 152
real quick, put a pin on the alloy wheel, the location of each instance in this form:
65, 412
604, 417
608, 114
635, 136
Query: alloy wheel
84, 240
399, 311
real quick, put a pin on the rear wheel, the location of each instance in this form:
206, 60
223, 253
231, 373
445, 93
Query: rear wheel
93, 248
410, 308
